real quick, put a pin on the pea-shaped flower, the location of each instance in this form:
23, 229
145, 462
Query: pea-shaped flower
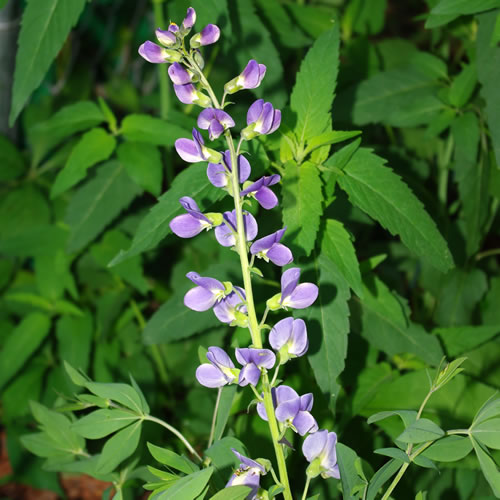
225, 233
269, 248
194, 222
215, 121
219, 372
292, 294
291, 409
247, 474
289, 338
232, 309
250, 78
219, 173
179, 75
189, 20
153, 53
320, 450
208, 35
262, 118
206, 294
253, 360
261, 192
194, 151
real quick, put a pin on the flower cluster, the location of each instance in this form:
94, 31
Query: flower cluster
237, 229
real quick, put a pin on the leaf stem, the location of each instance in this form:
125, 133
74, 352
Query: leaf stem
306, 487
214, 418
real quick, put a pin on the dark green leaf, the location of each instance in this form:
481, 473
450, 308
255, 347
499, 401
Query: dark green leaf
101, 423
381, 477
171, 459
460, 339
346, 458
407, 416
420, 431
454, 7
449, 449
232, 493
11, 160
463, 86
225, 403
145, 128
189, 487
395, 453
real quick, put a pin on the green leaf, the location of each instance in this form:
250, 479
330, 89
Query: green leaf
460, 339
67, 121
76, 377
381, 477
369, 382
121, 393
44, 28
408, 417
490, 409
386, 326
171, 459
379, 192
395, 453
314, 89
145, 128
119, 447
488, 433
463, 86
327, 138
346, 459
155, 226
53, 275
101, 423
488, 72
420, 431
189, 487
429, 65
225, 403
462, 7
22, 343
302, 203
449, 449
338, 247
11, 160
232, 493
143, 164
95, 146
97, 203
488, 466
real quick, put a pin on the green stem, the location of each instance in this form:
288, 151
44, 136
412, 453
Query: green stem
395, 481
306, 487
214, 418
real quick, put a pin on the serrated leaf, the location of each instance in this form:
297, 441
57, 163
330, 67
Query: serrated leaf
98, 202
302, 203
101, 423
155, 226
21, 343
189, 487
379, 192
420, 431
44, 28
171, 459
460, 339
461, 7
449, 449
488, 466
95, 146
314, 89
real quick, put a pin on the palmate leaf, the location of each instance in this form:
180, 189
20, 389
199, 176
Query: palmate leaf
44, 28
314, 89
379, 192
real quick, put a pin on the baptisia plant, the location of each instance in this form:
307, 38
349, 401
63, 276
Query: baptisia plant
277, 403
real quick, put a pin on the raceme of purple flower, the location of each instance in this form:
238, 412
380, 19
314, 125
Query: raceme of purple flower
262, 118
194, 222
261, 192
247, 474
194, 151
218, 173
208, 35
190, 19
225, 233
250, 78
252, 361
289, 338
206, 294
269, 248
215, 121
320, 450
292, 294
231, 309
219, 372
155, 54
291, 409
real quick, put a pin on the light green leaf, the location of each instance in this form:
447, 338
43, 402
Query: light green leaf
460, 339
490, 409
408, 417
338, 247
488, 432
429, 65
145, 128
312, 97
101, 423
44, 28
120, 393
98, 202
379, 192
331, 137
440, 123
171, 459
21, 343
143, 164
95, 146
232, 493
119, 447
225, 403
53, 275
420, 431
11, 160
449, 449
488, 466
395, 453
463, 86
189, 487
461, 7
302, 203
155, 226
381, 477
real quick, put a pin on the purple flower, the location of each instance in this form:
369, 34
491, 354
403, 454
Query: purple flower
261, 192
215, 121
291, 409
252, 361
208, 35
289, 338
166, 38
319, 450
189, 20
225, 233
262, 118
188, 94
269, 248
179, 75
232, 309
219, 372
250, 78
292, 294
195, 150
192, 223
173, 28
206, 294
219, 173
247, 474
155, 54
